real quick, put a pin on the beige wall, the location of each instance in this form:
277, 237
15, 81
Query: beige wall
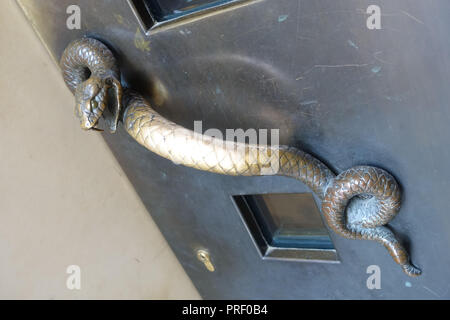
64, 200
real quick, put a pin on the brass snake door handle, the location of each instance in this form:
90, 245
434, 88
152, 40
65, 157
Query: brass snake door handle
357, 203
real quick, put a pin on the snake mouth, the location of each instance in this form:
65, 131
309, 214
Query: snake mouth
88, 127
89, 121
93, 126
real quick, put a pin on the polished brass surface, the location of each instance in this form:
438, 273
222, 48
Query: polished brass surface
204, 257
357, 203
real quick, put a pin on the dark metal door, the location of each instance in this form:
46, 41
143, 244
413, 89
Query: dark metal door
335, 87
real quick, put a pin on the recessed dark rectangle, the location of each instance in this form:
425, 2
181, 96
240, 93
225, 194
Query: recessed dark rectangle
286, 226
163, 10
154, 15
142, 13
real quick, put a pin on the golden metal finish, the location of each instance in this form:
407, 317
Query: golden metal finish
90, 70
204, 257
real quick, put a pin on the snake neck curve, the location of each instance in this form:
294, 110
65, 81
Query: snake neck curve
90, 70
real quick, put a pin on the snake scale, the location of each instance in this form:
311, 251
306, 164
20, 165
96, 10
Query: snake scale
356, 204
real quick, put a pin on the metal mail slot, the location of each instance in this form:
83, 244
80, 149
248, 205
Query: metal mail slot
286, 226
154, 15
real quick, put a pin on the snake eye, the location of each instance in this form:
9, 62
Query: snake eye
94, 104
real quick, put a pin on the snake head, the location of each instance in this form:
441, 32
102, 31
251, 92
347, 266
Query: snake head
91, 98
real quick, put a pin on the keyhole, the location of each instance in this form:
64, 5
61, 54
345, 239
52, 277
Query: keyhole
204, 257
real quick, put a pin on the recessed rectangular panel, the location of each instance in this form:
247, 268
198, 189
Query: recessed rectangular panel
163, 10
292, 219
286, 226
154, 15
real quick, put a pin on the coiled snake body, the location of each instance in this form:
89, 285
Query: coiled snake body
356, 204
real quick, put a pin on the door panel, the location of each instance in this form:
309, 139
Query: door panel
349, 95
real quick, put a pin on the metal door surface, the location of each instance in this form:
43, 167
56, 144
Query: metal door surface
334, 87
